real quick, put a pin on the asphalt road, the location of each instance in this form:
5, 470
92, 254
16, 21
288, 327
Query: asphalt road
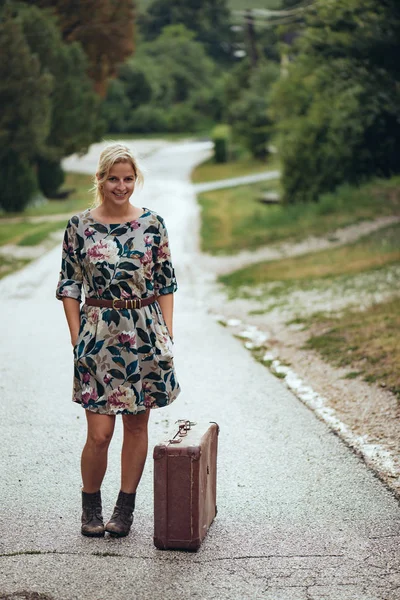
299, 516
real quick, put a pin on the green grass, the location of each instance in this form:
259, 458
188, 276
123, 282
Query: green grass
40, 232
80, 199
11, 233
233, 219
9, 265
376, 250
367, 341
28, 234
243, 4
25, 233
246, 165
353, 375
230, 217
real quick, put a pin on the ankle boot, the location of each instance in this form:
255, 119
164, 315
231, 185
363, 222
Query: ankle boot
92, 519
122, 518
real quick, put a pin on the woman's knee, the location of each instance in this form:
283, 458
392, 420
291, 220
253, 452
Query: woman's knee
100, 429
136, 425
100, 438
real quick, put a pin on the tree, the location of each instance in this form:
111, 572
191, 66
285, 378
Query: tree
339, 107
167, 86
104, 28
49, 107
25, 89
252, 125
74, 123
184, 67
208, 19
26, 113
136, 82
116, 107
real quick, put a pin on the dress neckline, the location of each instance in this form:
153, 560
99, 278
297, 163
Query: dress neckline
145, 212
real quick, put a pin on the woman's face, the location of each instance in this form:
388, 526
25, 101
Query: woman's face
119, 185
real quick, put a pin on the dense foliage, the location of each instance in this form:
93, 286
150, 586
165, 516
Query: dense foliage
248, 113
103, 28
73, 107
338, 109
49, 106
25, 115
168, 85
208, 19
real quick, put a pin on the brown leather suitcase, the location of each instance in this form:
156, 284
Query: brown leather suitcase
185, 483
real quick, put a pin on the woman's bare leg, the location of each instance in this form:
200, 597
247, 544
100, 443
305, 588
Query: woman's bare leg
134, 450
94, 454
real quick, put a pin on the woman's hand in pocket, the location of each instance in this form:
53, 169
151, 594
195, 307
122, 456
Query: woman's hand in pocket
74, 338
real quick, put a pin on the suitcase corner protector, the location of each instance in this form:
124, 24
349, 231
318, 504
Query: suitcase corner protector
159, 544
159, 451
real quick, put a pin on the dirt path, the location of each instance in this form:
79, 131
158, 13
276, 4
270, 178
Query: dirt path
345, 235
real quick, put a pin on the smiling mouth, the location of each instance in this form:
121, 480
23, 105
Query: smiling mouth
120, 195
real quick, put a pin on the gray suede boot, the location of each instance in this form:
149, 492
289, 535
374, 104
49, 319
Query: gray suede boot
122, 518
92, 519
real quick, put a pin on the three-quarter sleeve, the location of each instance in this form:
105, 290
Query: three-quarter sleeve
70, 280
164, 274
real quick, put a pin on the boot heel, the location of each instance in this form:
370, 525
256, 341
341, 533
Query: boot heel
92, 518
122, 518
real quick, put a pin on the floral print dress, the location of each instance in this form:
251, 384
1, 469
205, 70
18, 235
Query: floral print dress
123, 361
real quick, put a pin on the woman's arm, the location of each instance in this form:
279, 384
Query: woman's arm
71, 309
166, 302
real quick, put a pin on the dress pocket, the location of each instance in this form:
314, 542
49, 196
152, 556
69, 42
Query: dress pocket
87, 331
163, 343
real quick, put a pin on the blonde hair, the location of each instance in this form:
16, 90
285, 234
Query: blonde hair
111, 155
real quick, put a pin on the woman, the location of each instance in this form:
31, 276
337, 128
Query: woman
122, 334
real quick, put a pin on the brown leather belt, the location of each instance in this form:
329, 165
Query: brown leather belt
127, 303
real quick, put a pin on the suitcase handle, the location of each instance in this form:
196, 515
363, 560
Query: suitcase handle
184, 426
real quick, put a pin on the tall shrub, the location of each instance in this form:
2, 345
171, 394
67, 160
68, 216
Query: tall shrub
221, 135
18, 182
25, 114
50, 176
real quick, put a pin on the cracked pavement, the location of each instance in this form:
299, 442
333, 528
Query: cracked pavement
300, 517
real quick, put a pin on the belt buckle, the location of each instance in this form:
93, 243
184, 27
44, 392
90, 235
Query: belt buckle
133, 303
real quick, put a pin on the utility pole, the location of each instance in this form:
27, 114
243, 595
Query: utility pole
251, 37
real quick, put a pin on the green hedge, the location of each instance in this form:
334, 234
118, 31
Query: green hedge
221, 137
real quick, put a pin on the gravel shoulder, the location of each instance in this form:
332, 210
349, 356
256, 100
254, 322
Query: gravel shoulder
366, 412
